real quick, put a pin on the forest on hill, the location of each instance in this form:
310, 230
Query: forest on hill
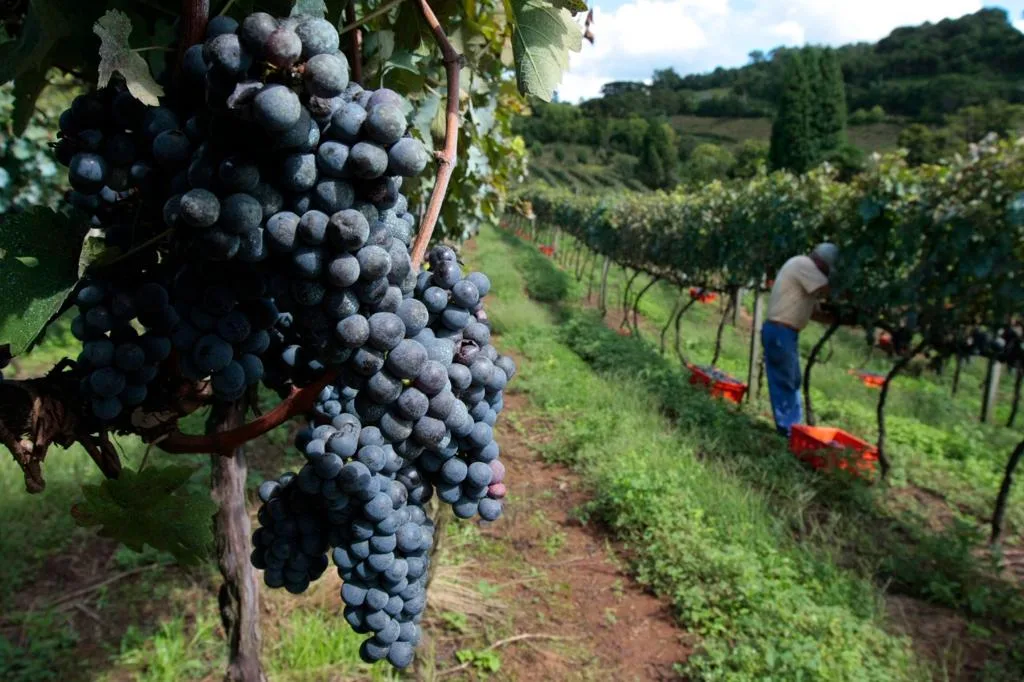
932, 88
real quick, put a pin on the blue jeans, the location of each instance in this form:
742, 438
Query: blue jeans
782, 365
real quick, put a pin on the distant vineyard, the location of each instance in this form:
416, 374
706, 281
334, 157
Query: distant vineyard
933, 255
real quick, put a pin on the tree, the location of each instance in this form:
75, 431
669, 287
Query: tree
925, 145
657, 164
709, 162
829, 103
792, 144
750, 157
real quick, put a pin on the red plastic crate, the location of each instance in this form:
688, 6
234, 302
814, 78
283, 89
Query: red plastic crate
884, 341
825, 447
547, 250
869, 379
731, 389
702, 295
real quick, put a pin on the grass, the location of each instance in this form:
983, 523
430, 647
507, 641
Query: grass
764, 606
763, 559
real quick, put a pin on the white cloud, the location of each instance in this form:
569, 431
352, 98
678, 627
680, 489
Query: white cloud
692, 36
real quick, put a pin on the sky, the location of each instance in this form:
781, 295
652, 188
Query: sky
635, 37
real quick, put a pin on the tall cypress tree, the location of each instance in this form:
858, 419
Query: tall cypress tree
792, 142
658, 160
829, 96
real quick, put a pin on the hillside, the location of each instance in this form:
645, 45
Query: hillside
953, 81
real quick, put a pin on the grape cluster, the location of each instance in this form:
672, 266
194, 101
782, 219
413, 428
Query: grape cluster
118, 363
291, 546
112, 145
274, 187
352, 494
297, 167
224, 330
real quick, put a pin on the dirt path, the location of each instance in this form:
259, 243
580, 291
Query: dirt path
565, 579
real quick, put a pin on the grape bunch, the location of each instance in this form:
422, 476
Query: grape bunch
266, 189
114, 148
224, 328
118, 363
350, 495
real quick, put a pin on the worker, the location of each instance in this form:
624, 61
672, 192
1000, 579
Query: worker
799, 285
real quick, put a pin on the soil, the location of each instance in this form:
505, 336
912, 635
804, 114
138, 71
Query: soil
609, 627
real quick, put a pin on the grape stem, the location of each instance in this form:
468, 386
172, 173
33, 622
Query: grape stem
352, 24
446, 157
300, 401
356, 45
194, 15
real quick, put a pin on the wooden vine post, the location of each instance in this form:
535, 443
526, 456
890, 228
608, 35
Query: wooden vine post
1018, 380
1004, 492
671, 316
988, 398
883, 459
754, 355
808, 406
603, 297
721, 328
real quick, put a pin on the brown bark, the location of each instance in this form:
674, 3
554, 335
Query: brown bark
238, 597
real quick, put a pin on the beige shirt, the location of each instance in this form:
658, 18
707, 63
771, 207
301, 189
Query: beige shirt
793, 296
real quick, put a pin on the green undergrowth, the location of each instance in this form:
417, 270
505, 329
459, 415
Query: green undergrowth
764, 605
935, 440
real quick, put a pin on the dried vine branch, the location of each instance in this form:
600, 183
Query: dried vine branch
446, 157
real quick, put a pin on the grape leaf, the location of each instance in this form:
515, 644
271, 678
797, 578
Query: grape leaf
27, 88
309, 8
574, 6
39, 252
151, 508
542, 36
113, 29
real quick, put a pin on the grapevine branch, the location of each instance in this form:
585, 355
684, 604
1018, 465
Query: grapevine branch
298, 402
446, 157
356, 44
808, 407
353, 24
194, 15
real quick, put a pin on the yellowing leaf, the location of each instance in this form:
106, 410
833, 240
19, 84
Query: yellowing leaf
113, 29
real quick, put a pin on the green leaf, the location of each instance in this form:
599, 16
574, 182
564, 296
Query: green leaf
39, 252
151, 508
30, 48
27, 88
574, 6
423, 120
113, 28
409, 27
309, 8
542, 36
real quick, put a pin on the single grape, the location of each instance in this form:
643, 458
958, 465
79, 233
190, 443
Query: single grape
88, 172
385, 124
199, 208
367, 160
276, 108
326, 75
240, 213
318, 37
282, 47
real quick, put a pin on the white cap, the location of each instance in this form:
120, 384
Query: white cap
828, 253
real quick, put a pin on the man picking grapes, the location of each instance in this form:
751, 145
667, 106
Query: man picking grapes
794, 299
